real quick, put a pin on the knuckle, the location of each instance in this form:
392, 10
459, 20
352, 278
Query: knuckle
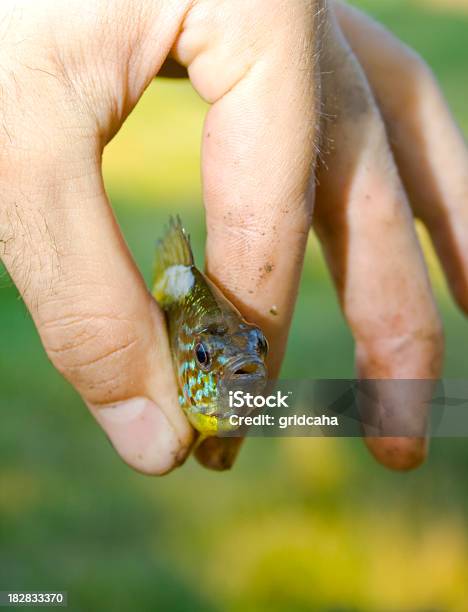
101, 355
227, 44
416, 351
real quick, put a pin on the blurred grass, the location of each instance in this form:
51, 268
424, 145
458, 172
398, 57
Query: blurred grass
299, 524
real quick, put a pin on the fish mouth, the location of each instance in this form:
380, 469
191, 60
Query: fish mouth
244, 369
247, 374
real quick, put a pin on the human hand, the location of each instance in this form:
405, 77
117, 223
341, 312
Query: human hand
71, 73
389, 150
73, 86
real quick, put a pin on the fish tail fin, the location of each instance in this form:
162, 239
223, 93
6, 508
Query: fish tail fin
172, 250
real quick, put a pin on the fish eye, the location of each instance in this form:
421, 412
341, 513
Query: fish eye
202, 355
262, 343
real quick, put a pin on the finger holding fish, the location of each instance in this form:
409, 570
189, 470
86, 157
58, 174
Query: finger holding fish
258, 157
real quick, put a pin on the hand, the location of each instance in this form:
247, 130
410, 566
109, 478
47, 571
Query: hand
71, 73
68, 85
389, 150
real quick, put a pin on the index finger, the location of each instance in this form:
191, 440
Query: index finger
258, 155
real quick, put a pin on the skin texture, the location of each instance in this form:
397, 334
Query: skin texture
296, 80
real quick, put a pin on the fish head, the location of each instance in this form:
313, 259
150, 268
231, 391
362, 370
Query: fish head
221, 358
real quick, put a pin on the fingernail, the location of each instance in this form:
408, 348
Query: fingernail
141, 434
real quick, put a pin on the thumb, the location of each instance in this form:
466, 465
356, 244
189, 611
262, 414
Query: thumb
99, 325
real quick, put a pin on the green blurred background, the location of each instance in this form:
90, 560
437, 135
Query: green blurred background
299, 524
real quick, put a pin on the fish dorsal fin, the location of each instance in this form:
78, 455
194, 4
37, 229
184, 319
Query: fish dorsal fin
172, 250
173, 261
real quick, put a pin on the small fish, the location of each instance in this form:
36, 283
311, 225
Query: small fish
214, 349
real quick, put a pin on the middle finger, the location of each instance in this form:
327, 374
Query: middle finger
365, 226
